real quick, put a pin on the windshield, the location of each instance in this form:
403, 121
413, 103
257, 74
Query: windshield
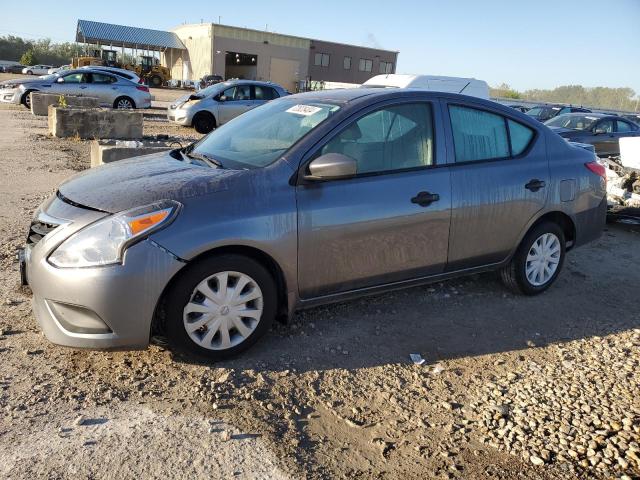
543, 113
259, 137
572, 121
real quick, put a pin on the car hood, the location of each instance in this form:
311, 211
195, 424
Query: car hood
19, 81
142, 180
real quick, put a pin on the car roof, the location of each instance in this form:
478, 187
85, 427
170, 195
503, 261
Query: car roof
589, 114
353, 95
231, 83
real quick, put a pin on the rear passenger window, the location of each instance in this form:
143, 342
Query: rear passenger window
520, 137
478, 135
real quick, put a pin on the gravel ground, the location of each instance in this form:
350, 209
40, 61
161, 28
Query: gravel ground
534, 388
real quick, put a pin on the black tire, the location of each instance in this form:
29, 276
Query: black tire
203, 122
514, 275
26, 99
155, 81
182, 290
29, 72
121, 100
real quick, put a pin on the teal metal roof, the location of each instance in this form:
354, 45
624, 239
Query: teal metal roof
123, 36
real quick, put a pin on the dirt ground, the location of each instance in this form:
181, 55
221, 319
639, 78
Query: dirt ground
534, 388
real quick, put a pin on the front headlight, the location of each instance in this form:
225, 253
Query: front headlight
104, 242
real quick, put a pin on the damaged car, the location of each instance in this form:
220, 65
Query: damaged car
221, 102
309, 199
600, 130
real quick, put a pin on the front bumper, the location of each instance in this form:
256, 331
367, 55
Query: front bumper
102, 307
10, 95
179, 116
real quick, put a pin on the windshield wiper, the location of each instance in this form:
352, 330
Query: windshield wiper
212, 162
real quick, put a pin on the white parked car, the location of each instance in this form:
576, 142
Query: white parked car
59, 69
121, 72
465, 86
37, 69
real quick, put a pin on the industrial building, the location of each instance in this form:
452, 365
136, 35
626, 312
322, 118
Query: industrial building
195, 50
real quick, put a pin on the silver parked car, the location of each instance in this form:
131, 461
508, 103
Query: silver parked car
219, 103
309, 199
110, 88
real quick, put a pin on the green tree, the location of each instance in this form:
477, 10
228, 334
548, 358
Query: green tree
28, 58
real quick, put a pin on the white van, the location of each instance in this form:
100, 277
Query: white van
466, 86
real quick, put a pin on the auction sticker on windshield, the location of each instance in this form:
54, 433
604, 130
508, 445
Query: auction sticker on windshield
305, 110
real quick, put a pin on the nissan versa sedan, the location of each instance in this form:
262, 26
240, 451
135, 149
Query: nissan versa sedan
110, 88
221, 102
309, 199
600, 130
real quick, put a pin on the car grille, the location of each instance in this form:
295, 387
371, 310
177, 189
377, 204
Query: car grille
38, 230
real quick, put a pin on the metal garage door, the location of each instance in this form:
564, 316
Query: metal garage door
285, 72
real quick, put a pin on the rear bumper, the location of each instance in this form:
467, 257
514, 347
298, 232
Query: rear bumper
591, 223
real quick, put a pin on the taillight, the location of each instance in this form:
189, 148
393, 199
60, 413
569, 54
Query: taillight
142, 88
140, 80
597, 168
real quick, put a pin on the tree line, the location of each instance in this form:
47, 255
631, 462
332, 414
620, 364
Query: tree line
31, 52
623, 98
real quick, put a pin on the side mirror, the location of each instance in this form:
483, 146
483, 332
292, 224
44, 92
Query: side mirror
222, 98
330, 166
599, 131
60, 80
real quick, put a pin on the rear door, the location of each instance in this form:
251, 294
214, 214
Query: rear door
104, 87
499, 181
377, 227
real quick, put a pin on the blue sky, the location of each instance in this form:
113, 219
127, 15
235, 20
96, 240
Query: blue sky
527, 44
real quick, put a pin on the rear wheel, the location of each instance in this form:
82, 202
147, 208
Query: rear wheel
123, 103
204, 122
538, 261
220, 306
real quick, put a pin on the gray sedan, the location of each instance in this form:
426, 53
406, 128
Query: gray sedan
111, 89
310, 199
217, 104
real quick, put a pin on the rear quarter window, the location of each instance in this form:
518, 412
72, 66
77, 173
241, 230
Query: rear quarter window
521, 137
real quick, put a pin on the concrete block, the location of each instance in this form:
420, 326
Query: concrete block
95, 123
107, 151
40, 102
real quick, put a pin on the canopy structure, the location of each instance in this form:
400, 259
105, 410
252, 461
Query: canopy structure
126, 37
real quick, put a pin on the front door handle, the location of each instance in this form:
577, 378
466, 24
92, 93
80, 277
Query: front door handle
424, 199
535, 185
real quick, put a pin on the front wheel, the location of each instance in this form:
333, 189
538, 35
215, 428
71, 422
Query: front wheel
26, 99
203, 122
220, 306
537, 262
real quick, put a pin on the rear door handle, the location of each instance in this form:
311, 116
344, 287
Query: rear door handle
424, 199
535, 185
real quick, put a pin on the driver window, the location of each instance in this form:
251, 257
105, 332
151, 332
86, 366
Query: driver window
606, 125
74, 78
393, 138
229, 93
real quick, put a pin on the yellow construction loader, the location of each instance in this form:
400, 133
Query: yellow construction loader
148, 67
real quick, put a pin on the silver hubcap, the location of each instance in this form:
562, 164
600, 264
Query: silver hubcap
224, 309
543, 259
124, 103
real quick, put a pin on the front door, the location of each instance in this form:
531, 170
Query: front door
388, 223
237, 100
71, 84
499, 181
